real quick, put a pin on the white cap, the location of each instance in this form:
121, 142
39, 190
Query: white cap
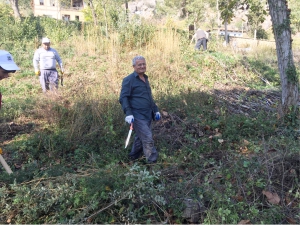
45, 40
7, 61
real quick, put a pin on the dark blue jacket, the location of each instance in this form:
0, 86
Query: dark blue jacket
136, 97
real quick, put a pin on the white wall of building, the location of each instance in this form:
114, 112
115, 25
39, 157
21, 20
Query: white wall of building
51, 8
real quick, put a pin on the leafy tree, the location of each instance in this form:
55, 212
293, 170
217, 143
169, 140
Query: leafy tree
261, 33
171, 7
108, 11
93, 11
196, 10
256, 14
226, 8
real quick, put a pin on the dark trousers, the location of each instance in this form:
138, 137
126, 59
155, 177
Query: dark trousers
143, 141
49, 80
202, 42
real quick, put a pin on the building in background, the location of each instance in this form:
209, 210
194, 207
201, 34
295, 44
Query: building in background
69, 11
231, 33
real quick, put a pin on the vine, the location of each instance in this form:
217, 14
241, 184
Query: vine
291, 74
283, 26
291, 71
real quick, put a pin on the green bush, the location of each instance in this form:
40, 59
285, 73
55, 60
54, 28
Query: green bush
31, 27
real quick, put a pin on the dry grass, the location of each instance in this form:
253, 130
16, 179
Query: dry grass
100, 64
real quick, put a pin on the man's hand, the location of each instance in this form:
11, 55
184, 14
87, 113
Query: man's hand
157, 116
129, 119
37, 72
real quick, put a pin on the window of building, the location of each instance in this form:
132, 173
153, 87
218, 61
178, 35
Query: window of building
77, 18
77, 3
66, 17
52, 2
41, 2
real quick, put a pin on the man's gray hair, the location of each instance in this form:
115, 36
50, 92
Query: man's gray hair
138, 57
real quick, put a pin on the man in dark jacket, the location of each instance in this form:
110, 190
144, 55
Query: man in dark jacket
139, 107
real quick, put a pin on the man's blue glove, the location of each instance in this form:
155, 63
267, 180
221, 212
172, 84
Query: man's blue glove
157, 116
129, 119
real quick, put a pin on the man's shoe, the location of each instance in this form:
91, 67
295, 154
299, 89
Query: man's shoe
151, 162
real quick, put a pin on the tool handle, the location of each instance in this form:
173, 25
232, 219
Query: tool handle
4, 164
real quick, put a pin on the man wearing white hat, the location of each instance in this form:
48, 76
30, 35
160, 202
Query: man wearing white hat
7, 65
44, 62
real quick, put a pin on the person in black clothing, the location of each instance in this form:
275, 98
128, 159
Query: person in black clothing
139, 107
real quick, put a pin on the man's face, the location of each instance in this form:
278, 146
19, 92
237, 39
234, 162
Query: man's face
140, 66
46, 46
4, 73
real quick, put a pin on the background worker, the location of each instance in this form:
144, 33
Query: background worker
139, 107
44, 63
201, 38
7, 65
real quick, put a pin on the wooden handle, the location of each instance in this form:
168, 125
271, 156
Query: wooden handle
4, 164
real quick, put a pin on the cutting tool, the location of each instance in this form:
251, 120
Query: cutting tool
129, 134
4, 164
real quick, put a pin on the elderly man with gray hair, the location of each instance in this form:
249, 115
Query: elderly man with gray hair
44, 63
139, 107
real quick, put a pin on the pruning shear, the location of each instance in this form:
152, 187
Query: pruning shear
129, 134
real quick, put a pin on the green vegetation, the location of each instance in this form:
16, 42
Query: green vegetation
220, 140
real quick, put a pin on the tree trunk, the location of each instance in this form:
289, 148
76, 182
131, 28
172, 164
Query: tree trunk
280, 15
93, 12
226, 33
14, 5
218, 18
